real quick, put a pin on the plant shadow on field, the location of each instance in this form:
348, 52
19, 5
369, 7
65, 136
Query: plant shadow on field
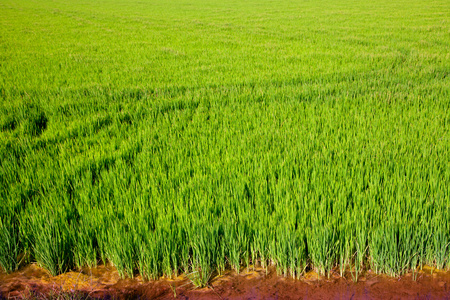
36, 124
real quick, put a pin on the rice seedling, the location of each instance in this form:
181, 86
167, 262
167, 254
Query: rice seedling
9, 246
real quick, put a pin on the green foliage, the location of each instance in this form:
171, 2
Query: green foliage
9, 245
52, 241
179, 137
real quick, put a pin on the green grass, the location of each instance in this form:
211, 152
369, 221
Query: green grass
191, 137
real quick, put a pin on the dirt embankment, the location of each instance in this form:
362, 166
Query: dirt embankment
104, 282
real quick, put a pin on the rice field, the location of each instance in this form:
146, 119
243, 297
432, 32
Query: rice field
192, 137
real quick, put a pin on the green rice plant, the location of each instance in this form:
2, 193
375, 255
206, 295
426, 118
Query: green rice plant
203, 255
289, 252
9, 245
52, 241
150, 259
440, 244
395, 248
344, 251
344, 248
185, 256
261, 246
360, 241
220, 262
169, 261
278, 250
85, 250
121, 249
321, 243
233, 250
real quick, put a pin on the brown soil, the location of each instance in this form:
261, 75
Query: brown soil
104, 282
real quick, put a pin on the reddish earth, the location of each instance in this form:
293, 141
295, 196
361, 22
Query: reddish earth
104, 283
